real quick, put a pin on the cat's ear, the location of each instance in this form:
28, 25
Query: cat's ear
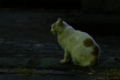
59, 22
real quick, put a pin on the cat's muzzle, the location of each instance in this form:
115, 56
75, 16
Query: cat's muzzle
53, 32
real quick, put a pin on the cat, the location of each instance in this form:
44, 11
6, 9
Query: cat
77, 45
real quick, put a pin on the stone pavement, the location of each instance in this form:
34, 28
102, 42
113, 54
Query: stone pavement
8, 74
25, 41
42, 57
46, 55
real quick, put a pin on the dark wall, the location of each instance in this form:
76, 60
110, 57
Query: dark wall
47, 4
86, 6
96, 16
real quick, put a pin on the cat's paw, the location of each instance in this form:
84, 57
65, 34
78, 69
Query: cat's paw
62, 61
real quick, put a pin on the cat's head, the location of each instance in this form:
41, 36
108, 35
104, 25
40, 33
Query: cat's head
57, 27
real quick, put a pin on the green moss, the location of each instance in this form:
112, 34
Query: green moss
25, 72
113, 74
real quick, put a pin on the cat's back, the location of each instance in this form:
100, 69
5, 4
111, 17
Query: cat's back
81, 36
83, 40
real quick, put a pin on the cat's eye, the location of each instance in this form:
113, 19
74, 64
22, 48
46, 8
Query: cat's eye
53, 27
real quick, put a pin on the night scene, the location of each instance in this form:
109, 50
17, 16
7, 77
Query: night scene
59, 40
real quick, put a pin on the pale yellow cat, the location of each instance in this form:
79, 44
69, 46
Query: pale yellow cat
78, 45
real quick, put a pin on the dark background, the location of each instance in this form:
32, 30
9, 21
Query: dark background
97, 17
46, 4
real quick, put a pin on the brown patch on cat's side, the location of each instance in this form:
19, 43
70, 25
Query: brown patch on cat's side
88, 42
94, 62
95, 52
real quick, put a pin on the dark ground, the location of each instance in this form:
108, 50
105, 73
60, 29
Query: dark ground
35, 25
26, 41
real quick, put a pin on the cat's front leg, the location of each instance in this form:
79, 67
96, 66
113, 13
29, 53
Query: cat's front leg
66, 56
